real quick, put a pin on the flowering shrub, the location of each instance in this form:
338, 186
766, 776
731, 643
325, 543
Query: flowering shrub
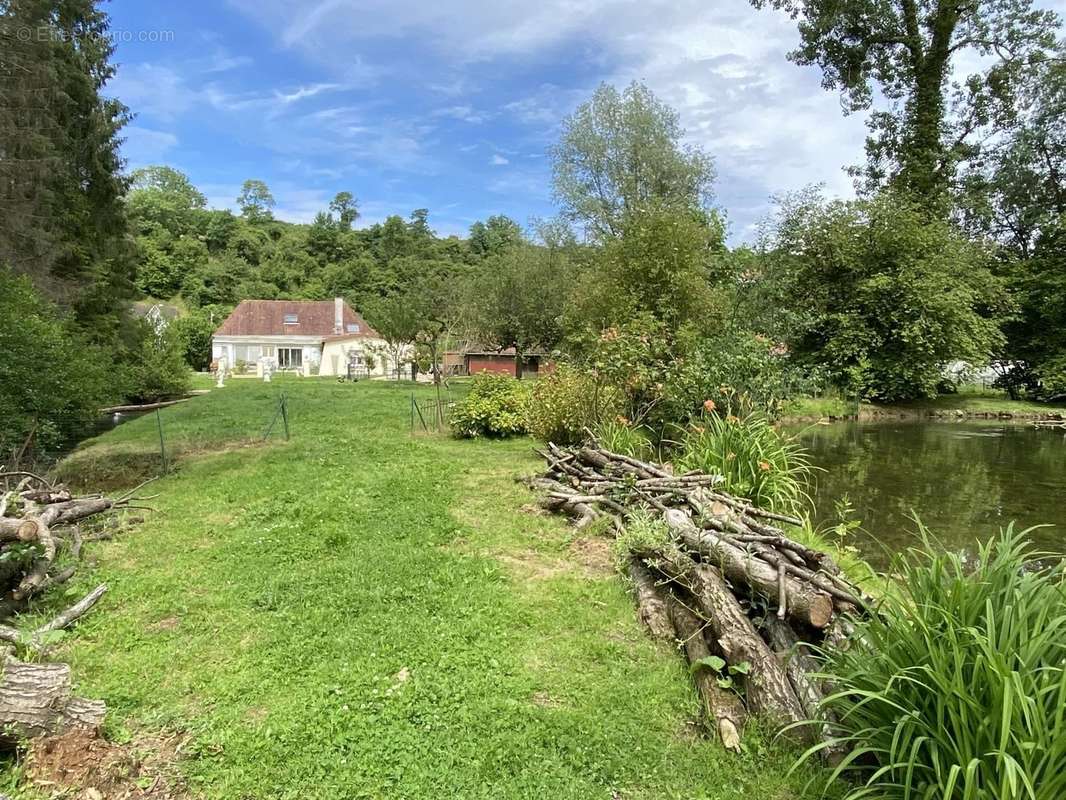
497, 405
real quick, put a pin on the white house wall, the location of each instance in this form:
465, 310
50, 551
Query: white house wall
311, 346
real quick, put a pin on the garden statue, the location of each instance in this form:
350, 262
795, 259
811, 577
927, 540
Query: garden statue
223, 368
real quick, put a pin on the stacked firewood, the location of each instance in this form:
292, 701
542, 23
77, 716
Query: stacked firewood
747, 603
41, 540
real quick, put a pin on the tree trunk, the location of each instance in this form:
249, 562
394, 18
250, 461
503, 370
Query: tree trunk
804, 603
35, 699
725, 711
767, 688
651, 601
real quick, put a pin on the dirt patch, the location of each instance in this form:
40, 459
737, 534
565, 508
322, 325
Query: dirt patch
168, 624
545, 700
594, 554
81, 765
531, 565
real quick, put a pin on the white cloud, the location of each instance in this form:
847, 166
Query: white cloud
498, 161
144, 146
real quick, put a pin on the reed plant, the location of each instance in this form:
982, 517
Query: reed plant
755, 460
956, 688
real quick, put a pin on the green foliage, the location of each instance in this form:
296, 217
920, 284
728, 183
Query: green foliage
567, 402
159, 371
63, 222
255, 201
52, 382
1036, 348
891, 295
644, 532
742, 372
659, 266
620, 151
956, 688
517, 299
195, 331
908, 53
620, 436
496, 406
755, 460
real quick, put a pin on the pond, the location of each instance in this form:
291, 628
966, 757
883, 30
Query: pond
964, 480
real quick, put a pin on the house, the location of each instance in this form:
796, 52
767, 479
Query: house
157, 315
471, 362
323, 336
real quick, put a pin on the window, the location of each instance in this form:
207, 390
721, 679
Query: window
290, 357
353, 328
291, 319
268, 351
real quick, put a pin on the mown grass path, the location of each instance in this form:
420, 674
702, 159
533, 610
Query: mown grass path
357, 613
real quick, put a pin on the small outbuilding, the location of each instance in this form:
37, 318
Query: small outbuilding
471, 362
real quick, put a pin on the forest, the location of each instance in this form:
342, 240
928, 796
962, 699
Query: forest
953, 251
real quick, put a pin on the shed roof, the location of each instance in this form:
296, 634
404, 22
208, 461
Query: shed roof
313, 318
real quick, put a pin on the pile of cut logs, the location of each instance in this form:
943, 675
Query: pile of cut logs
41, 540
745, 602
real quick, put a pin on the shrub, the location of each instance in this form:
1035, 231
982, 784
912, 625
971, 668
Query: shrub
52, 381
619, 435
751, 369
957, 688
497, 405
160, 370
755, 460
566, 402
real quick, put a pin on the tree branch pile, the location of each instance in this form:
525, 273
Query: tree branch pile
40, 548
745, 602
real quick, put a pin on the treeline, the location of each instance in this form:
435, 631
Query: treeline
953, 252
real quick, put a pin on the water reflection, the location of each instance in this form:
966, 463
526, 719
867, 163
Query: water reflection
964, 480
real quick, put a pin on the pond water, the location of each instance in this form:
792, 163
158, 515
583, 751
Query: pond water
964, 480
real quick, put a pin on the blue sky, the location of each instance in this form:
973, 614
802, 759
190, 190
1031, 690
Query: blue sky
451, 105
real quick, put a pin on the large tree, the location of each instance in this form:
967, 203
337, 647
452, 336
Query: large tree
620, 151
1018, 188
62, 220
887, 295
255, 201
907, 51
517, 300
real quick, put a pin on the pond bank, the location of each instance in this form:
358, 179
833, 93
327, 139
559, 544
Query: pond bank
945, 408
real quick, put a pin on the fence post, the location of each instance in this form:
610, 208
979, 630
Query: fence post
412, 413
162, 448
285, 414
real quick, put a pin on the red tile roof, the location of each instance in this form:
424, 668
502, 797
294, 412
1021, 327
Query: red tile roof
313, 318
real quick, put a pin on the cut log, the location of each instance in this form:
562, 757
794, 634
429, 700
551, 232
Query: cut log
805, 603
651, 601
725, 711
35, 700
797, 661
767, 688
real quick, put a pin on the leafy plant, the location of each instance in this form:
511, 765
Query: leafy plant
956, 689
754, 459
497, 405
568, 401
619, 435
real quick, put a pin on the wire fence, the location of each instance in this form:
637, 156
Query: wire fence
430, 415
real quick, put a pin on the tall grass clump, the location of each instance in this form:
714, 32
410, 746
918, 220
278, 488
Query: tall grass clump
755, 460
956, 690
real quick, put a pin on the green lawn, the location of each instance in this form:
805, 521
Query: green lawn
357, 613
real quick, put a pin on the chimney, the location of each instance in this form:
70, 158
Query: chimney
338, 315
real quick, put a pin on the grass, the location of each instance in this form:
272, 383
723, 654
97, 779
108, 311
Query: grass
359, 613
969, 401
